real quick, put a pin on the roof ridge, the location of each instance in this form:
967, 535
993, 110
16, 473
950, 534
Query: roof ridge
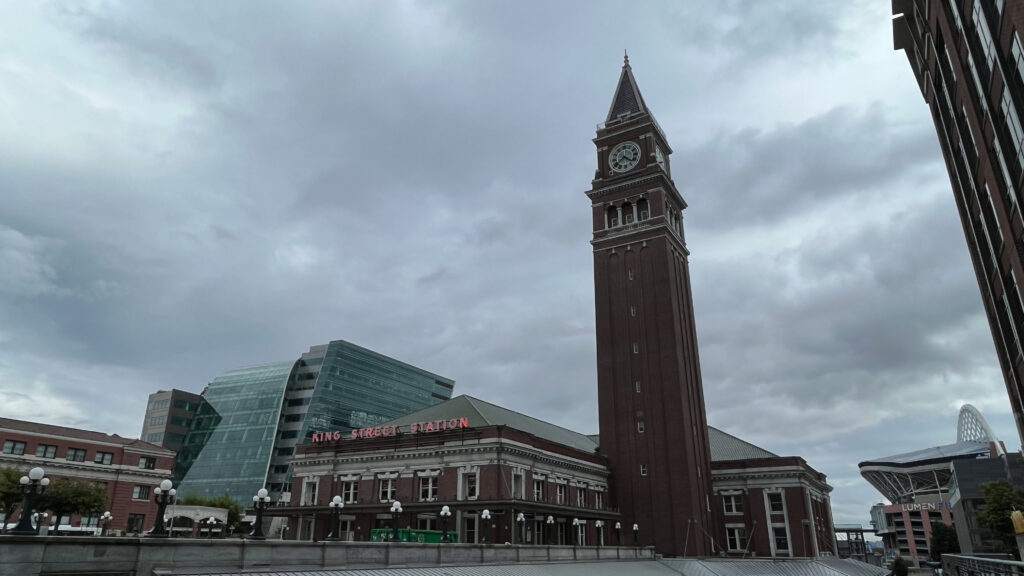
523, 415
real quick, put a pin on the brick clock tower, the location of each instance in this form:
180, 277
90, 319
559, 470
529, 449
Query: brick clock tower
650, 400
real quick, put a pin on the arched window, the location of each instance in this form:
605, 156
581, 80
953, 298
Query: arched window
628, 217
643, 209
611, 217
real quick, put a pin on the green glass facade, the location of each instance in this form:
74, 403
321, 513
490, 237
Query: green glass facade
230, 444
250, 420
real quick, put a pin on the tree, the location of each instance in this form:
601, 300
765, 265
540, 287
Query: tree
1001, 499
900, 567
68, 496
10, 493
944, 541
222, 501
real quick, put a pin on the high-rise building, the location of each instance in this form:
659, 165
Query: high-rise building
650, 399
968, 60
250, 420
169, 415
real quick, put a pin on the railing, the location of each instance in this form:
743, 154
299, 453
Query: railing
974, 566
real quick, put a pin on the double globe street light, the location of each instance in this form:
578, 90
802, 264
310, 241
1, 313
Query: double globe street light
260, 502
396, 512
32, 485
486, 517
446, 513
162, 495
336, 505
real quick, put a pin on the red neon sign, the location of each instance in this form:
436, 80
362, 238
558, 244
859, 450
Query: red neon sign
382, 431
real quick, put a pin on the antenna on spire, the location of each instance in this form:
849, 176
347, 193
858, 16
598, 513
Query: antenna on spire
625, 57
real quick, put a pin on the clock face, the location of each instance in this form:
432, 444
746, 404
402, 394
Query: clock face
660, 157
624, 157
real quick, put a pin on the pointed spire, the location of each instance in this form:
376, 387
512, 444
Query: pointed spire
627, 98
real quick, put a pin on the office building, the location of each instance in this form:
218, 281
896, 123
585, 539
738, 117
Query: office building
250, 419
649, 392
968, 60
127, 468
168, 417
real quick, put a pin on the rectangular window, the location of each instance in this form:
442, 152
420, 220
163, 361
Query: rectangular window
640, 426
471, 486
298, 401
643, 469
104, 457
636, 348
349, 492
632, 310
386, 493
560, 494
518, 485
733, 503
775, 504
538, 490
140, 493
46, 451
135, 523
155, 437
428, 488
279, 469
293, 418
289, 434
15, 447
288, 451
147, 462
637, 384
75, 455
157, 420
581, 497
736, 538
630, 274
599, 500
781, 541
984, 34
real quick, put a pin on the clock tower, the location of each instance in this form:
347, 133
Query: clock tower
650, 399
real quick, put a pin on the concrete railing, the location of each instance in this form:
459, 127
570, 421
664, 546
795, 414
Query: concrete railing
71, 555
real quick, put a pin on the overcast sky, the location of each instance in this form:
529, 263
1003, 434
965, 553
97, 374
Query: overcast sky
189, 187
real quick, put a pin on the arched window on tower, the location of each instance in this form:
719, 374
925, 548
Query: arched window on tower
611, 217
643, 209
628, 217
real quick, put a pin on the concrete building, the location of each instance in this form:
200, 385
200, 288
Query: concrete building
129, 469
473, 456
250, 419
968, 60
169, 415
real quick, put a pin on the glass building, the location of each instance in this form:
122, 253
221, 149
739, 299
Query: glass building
250, 420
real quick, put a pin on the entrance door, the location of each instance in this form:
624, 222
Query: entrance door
469, 531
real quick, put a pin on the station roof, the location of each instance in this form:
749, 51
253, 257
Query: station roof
935, 455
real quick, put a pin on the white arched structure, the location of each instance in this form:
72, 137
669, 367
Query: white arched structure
972, 427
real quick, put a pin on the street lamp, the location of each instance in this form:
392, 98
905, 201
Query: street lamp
600, 531
446, 513
32, 485
210, 523
636, 534
486, 516
336, 505
396, 512
162, 495
521, 518
260, 502
104, 520
576, 530
42, 523
618, 533
551, 528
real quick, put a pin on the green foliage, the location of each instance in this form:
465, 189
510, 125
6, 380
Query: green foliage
68, 496
222, 501
1001, 498
900, 567
10, 491
944, 541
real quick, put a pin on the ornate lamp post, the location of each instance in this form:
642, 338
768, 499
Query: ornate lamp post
636, 534
618, 533
210, 523
600, 531
486, 517
31, 486
260, 502
576, 532
162, 495
105, 519
551, 528
336, 505
42, 522
446, 513
521, 519
396, 512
